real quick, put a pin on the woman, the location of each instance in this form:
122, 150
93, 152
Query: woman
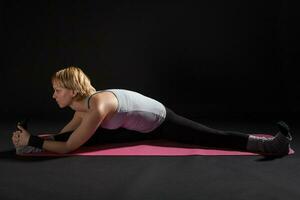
101, 115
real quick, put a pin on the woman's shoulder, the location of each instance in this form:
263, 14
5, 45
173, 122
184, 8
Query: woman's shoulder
103, 100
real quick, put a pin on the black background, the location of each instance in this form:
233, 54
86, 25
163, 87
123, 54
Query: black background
208, 58
235, 60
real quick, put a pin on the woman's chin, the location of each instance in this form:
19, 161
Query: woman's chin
61, 106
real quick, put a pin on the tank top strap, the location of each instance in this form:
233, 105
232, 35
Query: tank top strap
88, 99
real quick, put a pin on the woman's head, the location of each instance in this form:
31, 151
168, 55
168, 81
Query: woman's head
73, 82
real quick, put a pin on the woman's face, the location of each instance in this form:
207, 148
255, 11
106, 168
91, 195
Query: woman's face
63, 96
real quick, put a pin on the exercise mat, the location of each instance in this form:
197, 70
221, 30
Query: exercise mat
148, 148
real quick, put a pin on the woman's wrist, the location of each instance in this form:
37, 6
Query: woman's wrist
36, 141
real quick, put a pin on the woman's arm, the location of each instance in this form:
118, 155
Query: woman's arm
86, 129
89, 124
74, 123
71, 126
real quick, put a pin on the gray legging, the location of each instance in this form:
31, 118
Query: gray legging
174, 128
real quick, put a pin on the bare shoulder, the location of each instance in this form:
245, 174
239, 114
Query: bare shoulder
104, 102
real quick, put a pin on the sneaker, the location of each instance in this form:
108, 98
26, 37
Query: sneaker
27, 149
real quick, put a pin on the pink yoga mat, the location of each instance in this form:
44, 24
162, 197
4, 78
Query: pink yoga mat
147, 148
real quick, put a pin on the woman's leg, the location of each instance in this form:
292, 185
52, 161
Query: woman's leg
63, 137
181, 129
106, 136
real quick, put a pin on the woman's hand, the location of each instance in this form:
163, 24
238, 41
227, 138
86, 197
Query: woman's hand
21, 137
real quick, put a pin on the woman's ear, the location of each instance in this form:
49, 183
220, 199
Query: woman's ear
74, 93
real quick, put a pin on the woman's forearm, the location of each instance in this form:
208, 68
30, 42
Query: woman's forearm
56, 146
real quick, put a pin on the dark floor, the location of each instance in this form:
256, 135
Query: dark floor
187, 177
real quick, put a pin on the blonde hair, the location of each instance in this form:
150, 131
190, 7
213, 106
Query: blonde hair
74, 78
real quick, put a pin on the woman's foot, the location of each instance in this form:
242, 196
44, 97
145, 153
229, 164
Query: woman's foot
27, 149
279, 145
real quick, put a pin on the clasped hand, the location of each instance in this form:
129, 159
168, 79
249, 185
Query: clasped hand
20, 137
